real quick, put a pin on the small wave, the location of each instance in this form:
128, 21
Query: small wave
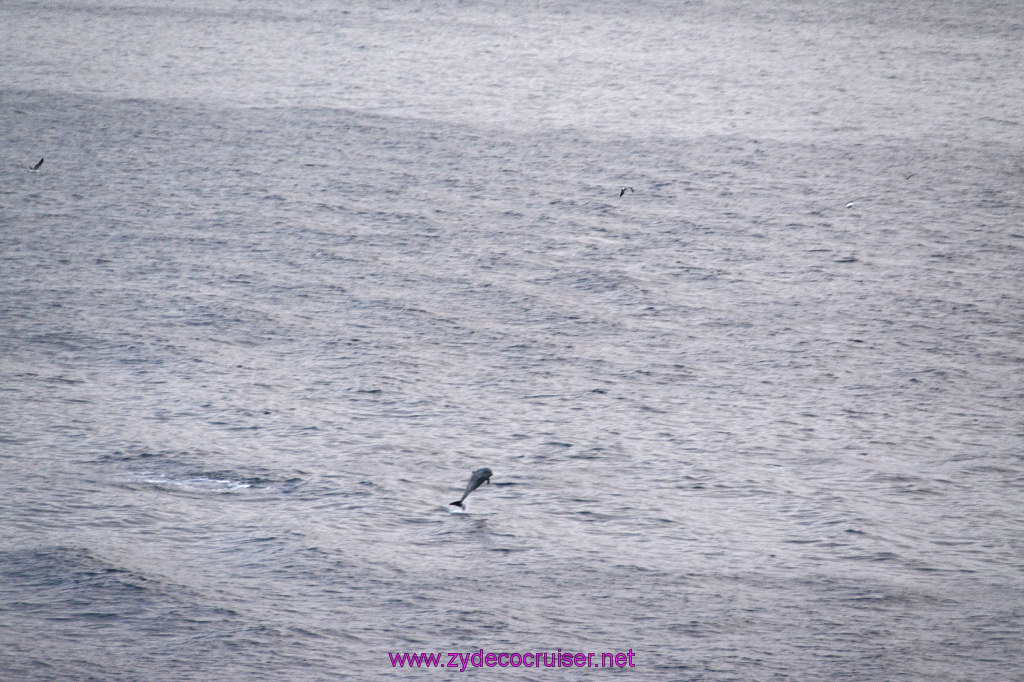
170, 472
204, 484
218, 482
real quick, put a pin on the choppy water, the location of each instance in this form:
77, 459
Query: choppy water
290, 272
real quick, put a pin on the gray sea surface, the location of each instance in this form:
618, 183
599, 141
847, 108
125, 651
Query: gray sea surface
291, 271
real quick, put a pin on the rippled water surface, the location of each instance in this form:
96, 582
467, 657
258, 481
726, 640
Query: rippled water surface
291, 271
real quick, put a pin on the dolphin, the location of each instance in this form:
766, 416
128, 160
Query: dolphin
36, 167
479, 477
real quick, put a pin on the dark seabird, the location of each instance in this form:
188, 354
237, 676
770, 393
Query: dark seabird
36, 167
479, 477
623, 191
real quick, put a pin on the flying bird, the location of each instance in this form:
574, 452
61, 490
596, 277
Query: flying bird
36, 167
623, 191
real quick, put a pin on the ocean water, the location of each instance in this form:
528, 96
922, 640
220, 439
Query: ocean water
291, 271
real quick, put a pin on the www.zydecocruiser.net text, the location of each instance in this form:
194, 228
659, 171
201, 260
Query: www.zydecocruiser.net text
530, 659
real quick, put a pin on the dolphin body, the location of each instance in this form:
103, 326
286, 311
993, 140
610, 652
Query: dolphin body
479, 477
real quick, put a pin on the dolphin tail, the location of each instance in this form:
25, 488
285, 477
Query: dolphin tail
457, 503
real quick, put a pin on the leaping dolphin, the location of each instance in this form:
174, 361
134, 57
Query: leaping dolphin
479, 477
